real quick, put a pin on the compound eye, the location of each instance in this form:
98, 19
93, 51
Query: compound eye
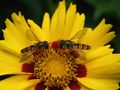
46, 46
62, 44
40, 45
66, 44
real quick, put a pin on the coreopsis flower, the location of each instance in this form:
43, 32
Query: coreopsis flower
60, 55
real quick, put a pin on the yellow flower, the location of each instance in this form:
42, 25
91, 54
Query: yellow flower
60, 55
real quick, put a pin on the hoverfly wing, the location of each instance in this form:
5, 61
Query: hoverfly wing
30, 34
26, 55
79, 34
82, 55
27, 52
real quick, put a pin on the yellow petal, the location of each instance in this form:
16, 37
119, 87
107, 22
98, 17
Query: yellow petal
20, 20
9, 34
46, 24
107, 38
99, 36
31, 36
84, 87
104, 67
53, 33
15, 35
70, 17
30, 88
61, 19
9, 64
18, 82
78, 24
99, 84
106, 71
13, 49
108, 60
88, 38
23, 31
101, 41
57, 22
37, 31
99, 52
102, 28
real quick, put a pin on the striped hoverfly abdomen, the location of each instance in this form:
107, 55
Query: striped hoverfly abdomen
39, 45
72, 45
82, 46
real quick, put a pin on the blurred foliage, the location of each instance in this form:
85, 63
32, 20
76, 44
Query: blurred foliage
95, 11
105, 6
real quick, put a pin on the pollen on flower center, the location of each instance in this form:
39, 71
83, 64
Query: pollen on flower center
54, 67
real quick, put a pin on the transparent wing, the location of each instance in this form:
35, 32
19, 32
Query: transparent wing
30, 34
82, 55
26, 55
79, 34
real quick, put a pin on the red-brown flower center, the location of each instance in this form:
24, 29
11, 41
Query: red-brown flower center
54, 66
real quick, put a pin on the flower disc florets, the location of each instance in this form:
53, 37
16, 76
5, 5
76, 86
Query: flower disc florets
56, 67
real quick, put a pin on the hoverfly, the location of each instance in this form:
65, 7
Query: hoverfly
72, 45
27, 51
39, 45
75, 49
62, 44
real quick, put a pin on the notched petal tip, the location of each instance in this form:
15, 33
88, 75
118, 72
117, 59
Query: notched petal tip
37, 31
9, 25
30, 22
14, 16
62, 2
33, 24
8, 22
19, 13
82, 15
104, 23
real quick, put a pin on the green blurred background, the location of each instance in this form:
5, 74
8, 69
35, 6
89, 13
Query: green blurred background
95, 11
